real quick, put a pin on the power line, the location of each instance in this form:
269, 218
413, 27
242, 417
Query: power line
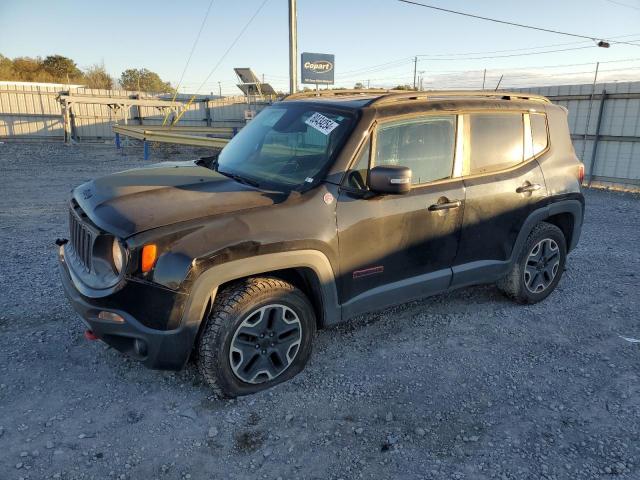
195, 43
405, 61
504, 22
232, 44
186, 65
534, 67
623, 4
431, 59
529, 48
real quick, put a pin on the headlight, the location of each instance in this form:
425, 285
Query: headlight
117, 255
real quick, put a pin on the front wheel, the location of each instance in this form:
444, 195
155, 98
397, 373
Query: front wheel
538, 267
258, 334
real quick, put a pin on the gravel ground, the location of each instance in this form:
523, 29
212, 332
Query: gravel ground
462, 386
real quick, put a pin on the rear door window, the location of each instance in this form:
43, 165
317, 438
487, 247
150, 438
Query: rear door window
496, 141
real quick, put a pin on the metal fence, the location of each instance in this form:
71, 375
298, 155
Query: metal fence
604, 119
605, 127
33, 112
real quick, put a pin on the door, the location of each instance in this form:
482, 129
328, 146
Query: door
504, 184
397, 247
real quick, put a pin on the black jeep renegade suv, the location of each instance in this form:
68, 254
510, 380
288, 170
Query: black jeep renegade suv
323, 207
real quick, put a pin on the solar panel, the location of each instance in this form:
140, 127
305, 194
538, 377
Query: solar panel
256, 89
246, 75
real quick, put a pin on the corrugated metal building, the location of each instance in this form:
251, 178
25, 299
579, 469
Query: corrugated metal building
609, 115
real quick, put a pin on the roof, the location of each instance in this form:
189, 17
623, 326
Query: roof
366, 97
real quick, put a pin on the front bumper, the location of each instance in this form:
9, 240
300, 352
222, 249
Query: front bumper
155, 348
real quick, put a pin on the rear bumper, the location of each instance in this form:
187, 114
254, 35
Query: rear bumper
159, 349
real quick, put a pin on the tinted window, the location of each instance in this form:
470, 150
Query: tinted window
425, 145
538, 132
497, 141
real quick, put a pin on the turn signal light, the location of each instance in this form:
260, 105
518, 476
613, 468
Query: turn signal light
149, 257
581, 173
110, 317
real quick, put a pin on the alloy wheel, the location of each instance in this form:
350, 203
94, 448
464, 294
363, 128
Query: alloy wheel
265, 344
542, 265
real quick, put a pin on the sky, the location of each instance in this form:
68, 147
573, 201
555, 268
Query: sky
374, 41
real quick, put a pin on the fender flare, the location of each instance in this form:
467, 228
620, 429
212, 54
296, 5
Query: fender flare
487, 271
574, 207
205, 287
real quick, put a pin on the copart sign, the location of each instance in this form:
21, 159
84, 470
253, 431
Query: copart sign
317, 68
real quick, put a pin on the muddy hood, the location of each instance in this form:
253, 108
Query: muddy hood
132, 201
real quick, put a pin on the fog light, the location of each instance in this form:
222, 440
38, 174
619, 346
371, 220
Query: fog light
110, 317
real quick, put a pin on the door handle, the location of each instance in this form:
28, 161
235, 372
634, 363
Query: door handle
528, 188
436, 207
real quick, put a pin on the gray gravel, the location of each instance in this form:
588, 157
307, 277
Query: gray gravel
462, 386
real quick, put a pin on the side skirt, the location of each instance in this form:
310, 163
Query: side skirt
398, 292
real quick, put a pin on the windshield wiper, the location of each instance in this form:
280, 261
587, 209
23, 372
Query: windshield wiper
240, 178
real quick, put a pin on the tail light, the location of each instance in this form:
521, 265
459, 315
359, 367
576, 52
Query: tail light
581, 173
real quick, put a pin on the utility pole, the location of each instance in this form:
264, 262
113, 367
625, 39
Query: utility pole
367, 84
484, 77
586, 128
415, 70
293, 47
219, 89
420, 79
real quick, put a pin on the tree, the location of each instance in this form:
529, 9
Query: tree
61, 69
96, 76
403, 87
143, 80
6, 68
359, 86
30, 70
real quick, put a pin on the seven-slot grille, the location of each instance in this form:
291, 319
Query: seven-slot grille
81, 236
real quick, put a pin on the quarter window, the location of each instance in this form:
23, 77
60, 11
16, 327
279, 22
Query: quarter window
357, 176
425, 145
497, 141
538, 132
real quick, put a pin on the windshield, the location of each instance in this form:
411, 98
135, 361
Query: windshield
286, 146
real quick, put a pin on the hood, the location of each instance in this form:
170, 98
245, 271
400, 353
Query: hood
132, 201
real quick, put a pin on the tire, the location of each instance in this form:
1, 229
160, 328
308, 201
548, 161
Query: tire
538, 266
267, 312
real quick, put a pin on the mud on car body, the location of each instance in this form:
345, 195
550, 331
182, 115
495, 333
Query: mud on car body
320, 209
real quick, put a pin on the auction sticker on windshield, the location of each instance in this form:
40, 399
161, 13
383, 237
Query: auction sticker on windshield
321, 123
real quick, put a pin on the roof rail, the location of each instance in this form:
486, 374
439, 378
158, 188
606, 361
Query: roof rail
340, 92
384, 96
444, 94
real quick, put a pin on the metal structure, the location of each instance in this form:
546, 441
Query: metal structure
605, 125
49, 112
194, 136
116, 104
611, 143
293, 46
252, 87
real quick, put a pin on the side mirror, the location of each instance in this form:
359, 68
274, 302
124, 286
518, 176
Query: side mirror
390, 179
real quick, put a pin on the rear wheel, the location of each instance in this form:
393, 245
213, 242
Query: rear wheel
258, 334
538, 267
